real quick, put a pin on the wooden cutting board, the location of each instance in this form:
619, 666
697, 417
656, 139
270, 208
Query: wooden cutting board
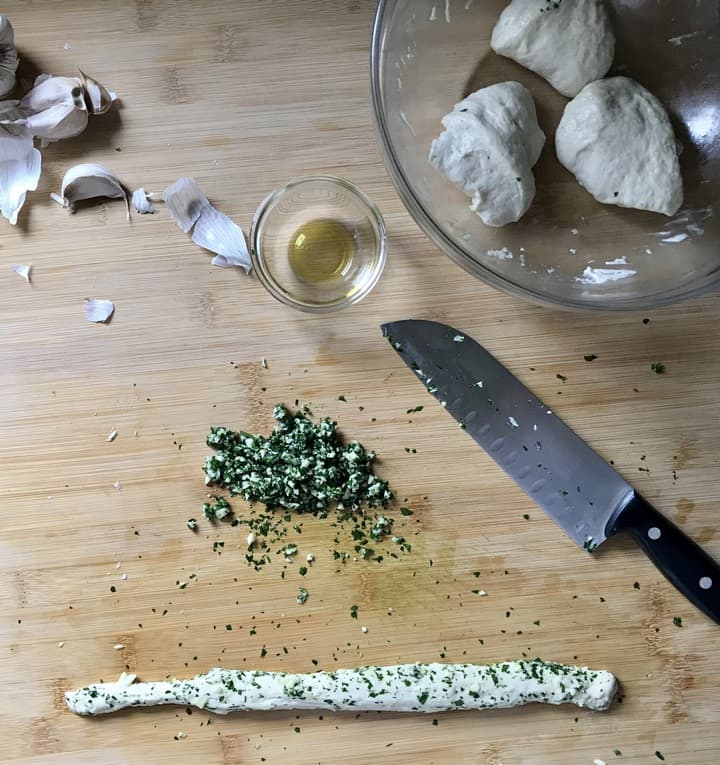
244, 96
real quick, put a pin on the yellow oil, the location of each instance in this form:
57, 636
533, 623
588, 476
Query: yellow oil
321, 250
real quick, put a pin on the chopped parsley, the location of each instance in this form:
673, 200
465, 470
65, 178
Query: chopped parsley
302, 597
191, 523
590, 357
405, 511
677, 621
659, 755
561, 377
353, 611
658, 368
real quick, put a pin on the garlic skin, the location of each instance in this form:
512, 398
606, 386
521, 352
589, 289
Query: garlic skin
20, 164
185, 202
90, 181
24, 270
213, 231
100, 311
141, 202
8, 56
99, 99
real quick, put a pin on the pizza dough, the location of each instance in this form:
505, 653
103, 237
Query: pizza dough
616, 137
568, 42
425, 688
491, 142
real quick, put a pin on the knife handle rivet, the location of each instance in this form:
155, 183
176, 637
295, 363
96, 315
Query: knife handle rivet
706, 583
654, 532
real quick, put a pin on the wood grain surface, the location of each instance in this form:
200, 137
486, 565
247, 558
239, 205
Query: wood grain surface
244, 96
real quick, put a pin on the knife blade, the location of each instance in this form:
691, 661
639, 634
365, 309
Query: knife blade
576, 487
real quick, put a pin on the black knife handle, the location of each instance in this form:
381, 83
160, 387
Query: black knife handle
680, 559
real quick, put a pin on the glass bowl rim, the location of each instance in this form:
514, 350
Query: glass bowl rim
259, 263
456, 253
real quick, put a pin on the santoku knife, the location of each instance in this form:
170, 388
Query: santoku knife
577, 488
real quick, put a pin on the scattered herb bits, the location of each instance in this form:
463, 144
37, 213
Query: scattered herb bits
658, 368
302, 596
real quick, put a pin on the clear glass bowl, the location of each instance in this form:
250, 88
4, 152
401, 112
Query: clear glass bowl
318, 244
568, 250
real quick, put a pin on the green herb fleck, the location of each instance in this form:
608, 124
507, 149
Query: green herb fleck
561, 377
636, 585
658, 368
590, 357
353, 611
659, 755
405, 511
677, 621
302, 570
228, 627
617, 752
302, 597
342, 398
263, 652
192, 524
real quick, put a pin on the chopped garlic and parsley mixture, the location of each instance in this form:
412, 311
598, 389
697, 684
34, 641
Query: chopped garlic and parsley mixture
301, 466
399, 688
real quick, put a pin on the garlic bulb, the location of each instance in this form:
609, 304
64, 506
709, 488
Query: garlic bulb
90, 181
8, 56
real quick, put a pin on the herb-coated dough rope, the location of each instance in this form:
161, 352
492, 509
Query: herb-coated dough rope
399, 688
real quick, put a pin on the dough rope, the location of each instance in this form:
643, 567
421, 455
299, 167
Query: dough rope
400, 688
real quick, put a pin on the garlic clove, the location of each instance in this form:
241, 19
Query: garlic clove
20, 164
141, 202
185, 202
216, 232
99, 311
48, 91
56, 122
54, 109
8, 56
90, 181
99, 98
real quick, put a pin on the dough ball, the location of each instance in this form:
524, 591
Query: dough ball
617, 139
568, 42
491, 142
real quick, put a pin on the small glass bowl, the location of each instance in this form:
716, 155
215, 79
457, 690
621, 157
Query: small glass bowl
318, 244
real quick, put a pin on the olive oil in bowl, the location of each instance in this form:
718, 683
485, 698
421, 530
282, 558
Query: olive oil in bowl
318, 244
321, 250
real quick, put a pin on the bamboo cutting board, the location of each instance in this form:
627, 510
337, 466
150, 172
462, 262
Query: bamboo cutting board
244, 96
